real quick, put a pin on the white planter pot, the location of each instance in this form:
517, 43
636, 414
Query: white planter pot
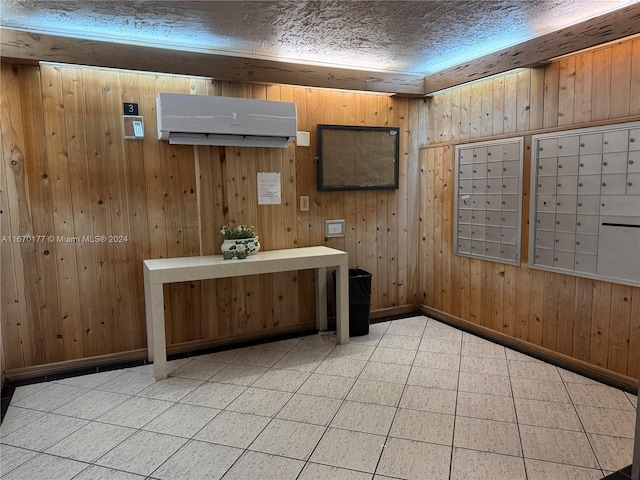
239, 248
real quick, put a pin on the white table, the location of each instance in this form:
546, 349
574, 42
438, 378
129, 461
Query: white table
169, 270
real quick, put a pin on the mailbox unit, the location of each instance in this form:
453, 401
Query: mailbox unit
488, 200
585, 202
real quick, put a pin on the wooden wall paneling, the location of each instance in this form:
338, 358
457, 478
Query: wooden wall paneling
418, 136
583, 85
498, 105
537, 98
360, 261
449, 279
523, 97
37, 168
476, 117
600, 323
566, 90
17, 302
621, 59
523, 288
536, 306
305, 184
456, 113
210, 222
289, 182
122, 323
251, 285
475, 290
509, 303
582, 323
486, 306
287, 281
393, 204
465, 288
373, 220
152, 162
399, 289
135, 151
317, 199
633, 364
552, 283
87, 338
266, 290
61, 333
97, 167
551, 95
486, 108
496, 293
510, 103
619, 328
438, 227
601, 89
566, 314
634, 95
465, 112
118, 321
433, 103
178, 318
426, 251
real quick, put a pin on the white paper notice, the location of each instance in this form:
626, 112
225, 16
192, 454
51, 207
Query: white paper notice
269, 191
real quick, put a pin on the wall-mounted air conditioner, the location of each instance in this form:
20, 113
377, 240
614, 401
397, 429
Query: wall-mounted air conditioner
207, 120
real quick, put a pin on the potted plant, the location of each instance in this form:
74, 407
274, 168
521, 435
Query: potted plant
239, 241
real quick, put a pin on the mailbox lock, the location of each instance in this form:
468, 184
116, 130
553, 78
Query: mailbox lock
604, 184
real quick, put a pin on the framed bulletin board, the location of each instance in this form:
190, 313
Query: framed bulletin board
358, 158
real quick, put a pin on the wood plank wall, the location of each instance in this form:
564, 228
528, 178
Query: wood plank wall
66, 172
594, 321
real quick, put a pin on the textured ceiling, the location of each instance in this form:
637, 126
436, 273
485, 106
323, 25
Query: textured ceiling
407, 47
417, 37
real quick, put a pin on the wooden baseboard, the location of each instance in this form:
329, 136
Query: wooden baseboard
394, 311
36, 371
383, 314
580, 367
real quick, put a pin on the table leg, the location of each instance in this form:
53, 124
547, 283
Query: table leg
342, 304
149, 319
158, 341
321, 299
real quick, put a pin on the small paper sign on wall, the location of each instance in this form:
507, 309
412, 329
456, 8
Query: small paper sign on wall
269, 190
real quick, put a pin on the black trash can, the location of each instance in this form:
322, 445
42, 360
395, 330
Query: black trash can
359, 301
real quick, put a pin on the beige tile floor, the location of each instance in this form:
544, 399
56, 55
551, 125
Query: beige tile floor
415, 399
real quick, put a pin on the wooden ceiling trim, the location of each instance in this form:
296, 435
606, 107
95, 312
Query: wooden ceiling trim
605, 28
28, 47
